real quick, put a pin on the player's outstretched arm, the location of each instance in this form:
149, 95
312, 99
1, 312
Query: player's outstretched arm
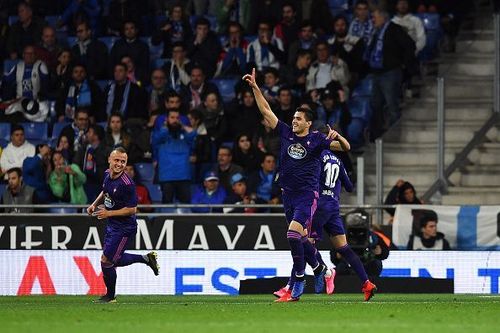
97, 201
264, 107
341, 143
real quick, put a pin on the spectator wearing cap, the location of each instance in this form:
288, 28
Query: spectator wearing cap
239, 195
90, 52
266, 50
261, 182
92, 156
16, 151
211, 192
130, 45
82, 92
36, 171
172, 145
428, 238
17, 193
29, 79
204, 47
225, 167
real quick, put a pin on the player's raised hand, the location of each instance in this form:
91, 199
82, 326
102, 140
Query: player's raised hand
250, 79
332, 134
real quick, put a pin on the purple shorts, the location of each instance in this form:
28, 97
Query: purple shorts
116, 241
329, 219
300, 207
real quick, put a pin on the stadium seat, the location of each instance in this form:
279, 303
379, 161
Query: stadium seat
102, 84
155, 51
158, 63
8, 64
212, 19
226, 88
62, 210
2, 189
57, 128
360, 108
154, 193
5, 131
13, 19
109, 41
146, 172
71, 40
36, 132
364, 88
52, 20
103, 124
356, 132
431, 21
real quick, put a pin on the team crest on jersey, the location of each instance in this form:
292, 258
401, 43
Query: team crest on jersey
297, 151
108, 201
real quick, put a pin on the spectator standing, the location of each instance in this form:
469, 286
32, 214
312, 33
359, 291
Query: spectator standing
172, 145
82, 92
266, 50
225, 167
130, 45
36, 170
26, 31
17, 193
16, 151
388, 51
210, 192
66, 181
428, 238
204, 47
361, 26
91, 52
411, 24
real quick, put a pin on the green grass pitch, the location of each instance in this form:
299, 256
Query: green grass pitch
422, 313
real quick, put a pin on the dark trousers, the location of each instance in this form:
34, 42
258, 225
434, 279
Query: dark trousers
385, 101
180, 189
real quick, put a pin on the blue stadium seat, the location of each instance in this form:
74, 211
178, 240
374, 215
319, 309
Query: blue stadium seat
8, 64
154, 193
226, 88
360, 108
109, 41
2, 189
5, 131
431, 21
52, 20
363, 88
155, 51
62, 210
71, 40
57, 128
356, 132
36, 131
102, 84
103, 124
146, 172
158, 63
13, 19
160, 21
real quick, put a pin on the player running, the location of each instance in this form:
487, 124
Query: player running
299, 178
120, 205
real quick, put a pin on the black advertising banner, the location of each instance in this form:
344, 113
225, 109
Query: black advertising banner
170, 232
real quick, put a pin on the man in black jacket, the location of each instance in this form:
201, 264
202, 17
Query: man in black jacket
91, 52
204, 48
388, 51
82, 92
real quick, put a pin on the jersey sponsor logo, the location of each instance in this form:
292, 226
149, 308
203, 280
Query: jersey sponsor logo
108, 201
297, 151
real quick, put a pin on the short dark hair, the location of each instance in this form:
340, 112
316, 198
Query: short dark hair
15, 128
361, 2
427, 217
98, 130
306, 23
17, 170
202, 21
266, 155
308, 113
226, 148
121, 64
39, 147
271, 70
178, 44
196, 114
284, 88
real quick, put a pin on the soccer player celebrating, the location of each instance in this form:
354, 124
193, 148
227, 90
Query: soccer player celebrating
120, 206
299, 178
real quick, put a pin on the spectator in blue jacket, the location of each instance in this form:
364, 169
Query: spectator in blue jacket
35, 173
211, 192
172, 148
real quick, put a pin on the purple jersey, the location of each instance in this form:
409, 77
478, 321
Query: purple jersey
300, 159
333, 177
119, 193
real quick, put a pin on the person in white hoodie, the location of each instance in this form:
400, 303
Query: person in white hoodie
16, 151
411, 23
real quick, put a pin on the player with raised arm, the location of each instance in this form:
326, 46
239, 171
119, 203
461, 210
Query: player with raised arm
327, 217
299, 178
120, 206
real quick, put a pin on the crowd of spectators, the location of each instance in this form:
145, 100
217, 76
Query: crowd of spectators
152, 77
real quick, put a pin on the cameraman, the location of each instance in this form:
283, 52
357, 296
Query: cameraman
370, 244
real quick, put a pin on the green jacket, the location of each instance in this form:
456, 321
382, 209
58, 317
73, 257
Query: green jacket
58, 183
